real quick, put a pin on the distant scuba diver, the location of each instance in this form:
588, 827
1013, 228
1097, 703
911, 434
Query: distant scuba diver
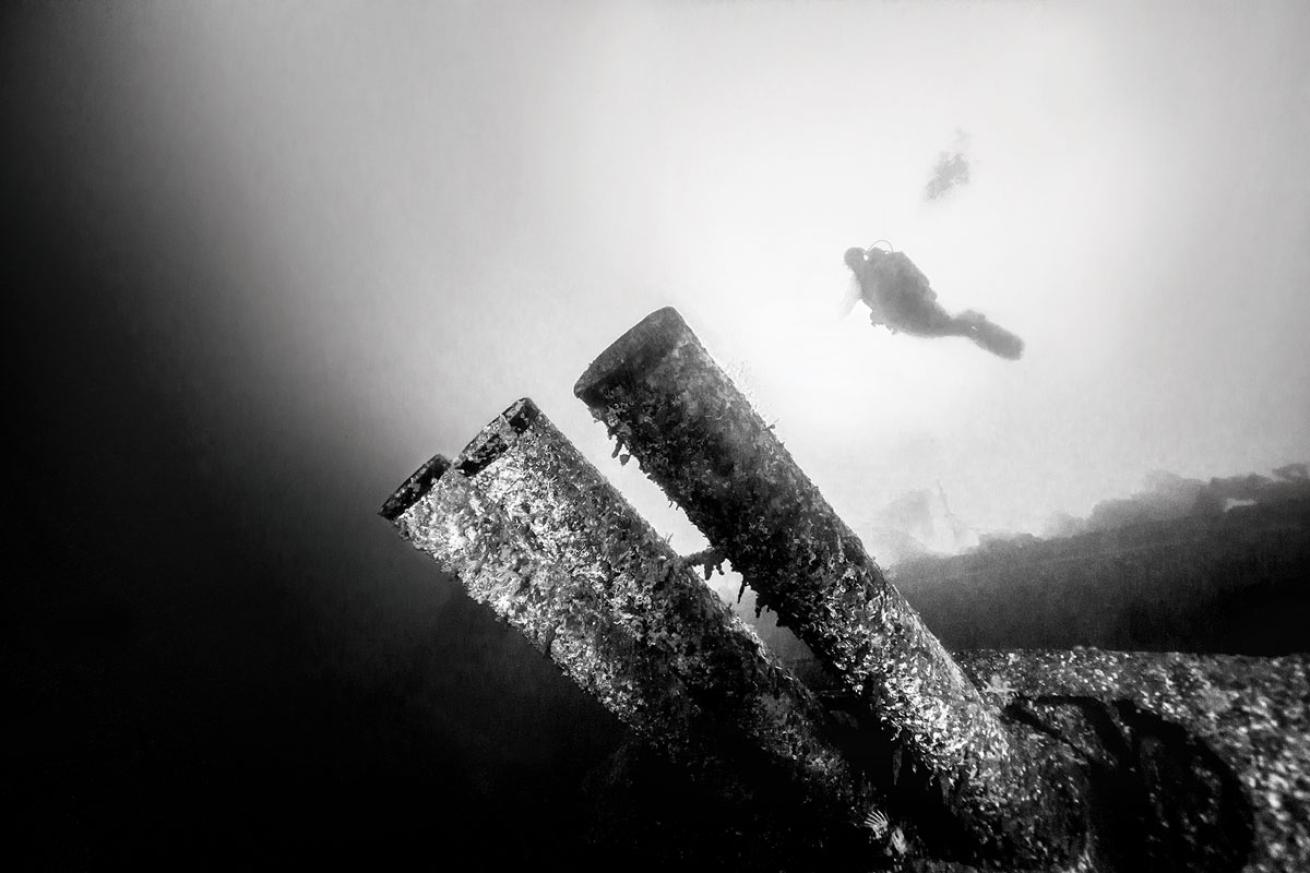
898, 295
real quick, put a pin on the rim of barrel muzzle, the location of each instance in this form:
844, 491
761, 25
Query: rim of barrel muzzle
634, 353
496, 438
411, 491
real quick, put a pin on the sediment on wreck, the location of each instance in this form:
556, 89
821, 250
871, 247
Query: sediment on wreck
532, 530
1015, 795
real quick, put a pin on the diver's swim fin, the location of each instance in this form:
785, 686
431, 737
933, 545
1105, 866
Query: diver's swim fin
994, 338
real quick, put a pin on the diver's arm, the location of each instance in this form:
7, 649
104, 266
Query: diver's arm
877, 312
853, 294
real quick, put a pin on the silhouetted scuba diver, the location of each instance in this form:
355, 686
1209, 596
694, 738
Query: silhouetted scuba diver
898, 295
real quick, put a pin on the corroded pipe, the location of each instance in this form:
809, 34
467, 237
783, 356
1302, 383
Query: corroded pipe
535, 532
668, 403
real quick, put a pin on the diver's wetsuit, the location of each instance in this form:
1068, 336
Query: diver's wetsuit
898, 295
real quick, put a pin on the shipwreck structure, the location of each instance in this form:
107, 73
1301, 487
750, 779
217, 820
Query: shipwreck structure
987, 760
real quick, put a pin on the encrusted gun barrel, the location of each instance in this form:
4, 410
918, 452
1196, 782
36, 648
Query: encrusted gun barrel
535, 532
665, 400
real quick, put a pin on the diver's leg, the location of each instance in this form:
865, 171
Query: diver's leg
933, 320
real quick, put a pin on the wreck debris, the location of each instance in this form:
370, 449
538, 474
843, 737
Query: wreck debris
534, 531
663, 398
1076, 761
1242, 801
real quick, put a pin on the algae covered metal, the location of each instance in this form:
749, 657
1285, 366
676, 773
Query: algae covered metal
1072, 761
532, 530
1012, 793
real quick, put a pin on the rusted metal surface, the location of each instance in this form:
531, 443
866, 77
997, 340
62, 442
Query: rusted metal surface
534, 531
1016, 793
